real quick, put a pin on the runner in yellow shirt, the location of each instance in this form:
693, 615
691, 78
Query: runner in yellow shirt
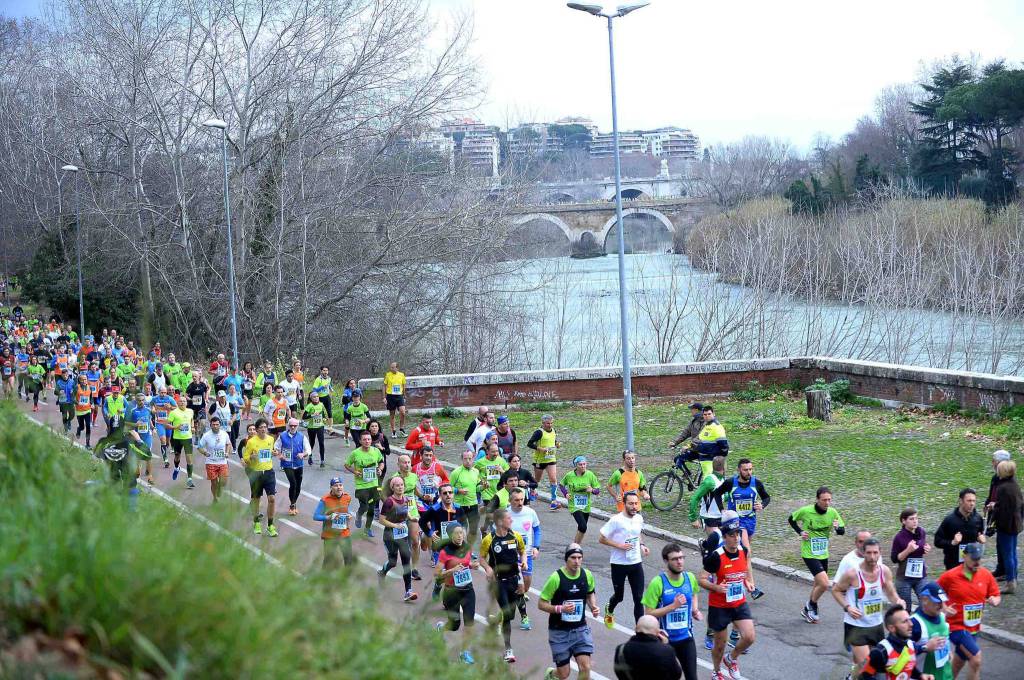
259, 455
394, 397
179, 421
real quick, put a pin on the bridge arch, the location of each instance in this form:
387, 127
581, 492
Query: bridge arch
630, 193
606, 229
546, 217
556, 197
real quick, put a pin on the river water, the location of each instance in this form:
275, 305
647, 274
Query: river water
570, 318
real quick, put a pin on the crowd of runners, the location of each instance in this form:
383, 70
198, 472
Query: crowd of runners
477, 523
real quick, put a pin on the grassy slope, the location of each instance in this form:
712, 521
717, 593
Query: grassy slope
160, 592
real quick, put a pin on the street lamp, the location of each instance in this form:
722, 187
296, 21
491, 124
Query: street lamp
222, 126
78, 246
627, 379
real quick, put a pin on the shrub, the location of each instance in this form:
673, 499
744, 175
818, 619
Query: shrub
839, 390
448, 412
950, 408
752, 391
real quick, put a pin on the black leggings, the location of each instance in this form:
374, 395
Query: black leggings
635, 574
326, 401
454, 599
294, 476
473, 520
316, 434
686, 652
507, 597
34, 389
84, 423
337, 550
581, 520
368, 499
233, 433
396, 549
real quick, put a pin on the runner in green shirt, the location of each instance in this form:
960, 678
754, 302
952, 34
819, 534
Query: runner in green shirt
466, 481
358, 415
579, 486
367, 465
313, 417
36, 376
490, 467
815, 524
180, 422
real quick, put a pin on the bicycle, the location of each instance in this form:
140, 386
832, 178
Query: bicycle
666, 489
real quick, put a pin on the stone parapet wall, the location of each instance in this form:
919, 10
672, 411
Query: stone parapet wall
893, 384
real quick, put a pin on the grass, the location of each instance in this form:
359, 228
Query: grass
156, 592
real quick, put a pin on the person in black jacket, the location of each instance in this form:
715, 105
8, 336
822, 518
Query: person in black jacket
647, 655
990, 502
481, 418
1008, 517
960, 527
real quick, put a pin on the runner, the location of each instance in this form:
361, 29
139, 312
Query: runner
478, 439
854, 558
197, 391
526, 523
455, 568
162, 406
366, 464
623, 534
357, 416
671, 597
83, 408
711, 543
292, 391
378, 439
322, 388
313, 416
814, 523
466, 481
228, 410
727, 575
394, 516
961, 526
180, 423
703, 510
394, 397
411, 481
430, 475
21, 358
579, 486
65, 391
332, 511
895, 655
36, 376
481, 417
930, 631
248, 388
545, 444
506, 438
266, 377
346, 399
563, 598
491, 467
292, 448
504, 556
424, 434
744, 494
216, 446
909, 547
969, 587
276, 411
140, 419
861, 593
524, 478
627, 478
259, 460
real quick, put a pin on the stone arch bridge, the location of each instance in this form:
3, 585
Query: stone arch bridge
588, 225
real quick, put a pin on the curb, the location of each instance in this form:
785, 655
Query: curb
997, 635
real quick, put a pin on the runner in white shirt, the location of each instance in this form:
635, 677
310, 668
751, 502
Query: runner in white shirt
476, 440
526, 523
216, 446
855, 558
622, 533
292, 390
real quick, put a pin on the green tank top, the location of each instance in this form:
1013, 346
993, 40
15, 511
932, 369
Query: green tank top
938, 662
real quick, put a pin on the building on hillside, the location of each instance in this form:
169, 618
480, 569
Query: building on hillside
590, 126
533, 139
603, 146
476, 145
672, 142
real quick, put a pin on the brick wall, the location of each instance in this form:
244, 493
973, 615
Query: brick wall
891, 383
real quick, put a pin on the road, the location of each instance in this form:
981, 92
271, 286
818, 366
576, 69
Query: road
784, 641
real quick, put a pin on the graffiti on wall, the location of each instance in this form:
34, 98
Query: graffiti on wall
439, 397
507, 396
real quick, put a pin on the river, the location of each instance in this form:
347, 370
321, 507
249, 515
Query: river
570, 318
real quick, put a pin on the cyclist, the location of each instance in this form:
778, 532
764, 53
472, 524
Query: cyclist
579, 486
671, 597
627, 478
703, 510
692, 428
814, 523
545, 444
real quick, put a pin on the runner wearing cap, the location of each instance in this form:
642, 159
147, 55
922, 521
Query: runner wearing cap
930, 631
579, 486
293, 449
728, 577
545, 443
969, 587
332, 512
563, 598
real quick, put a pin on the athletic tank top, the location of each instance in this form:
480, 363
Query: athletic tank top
869, 598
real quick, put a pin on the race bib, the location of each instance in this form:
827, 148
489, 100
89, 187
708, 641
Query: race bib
580, 500
960, 552
744, 507
493, 473
678, 619
396, 389
264, 455
915, 567
184, 428
216, 453
247, 385
633, 553
819, 546
428, 490
142, 427
370, 474
197, 400
83, 400
280, 413
733, 591
462, 578
446, 527
572, 611
340, 523
871, 607
942, 655
318, 420
401, 531
972, 614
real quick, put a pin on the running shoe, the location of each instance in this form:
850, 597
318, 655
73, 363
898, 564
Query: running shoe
731, 666
525, 624
709, 642
717, 676
416, 575
393, 434
609, 618
369, 532
257, 529
510, 656
189, 484
272, 531
466, 657
402, 432
554, 505
149, 479
322, 465
410, 596
35, 409
809, 615
177, 471
292, 510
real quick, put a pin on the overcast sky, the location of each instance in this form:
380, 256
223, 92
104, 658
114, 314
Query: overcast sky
724, 68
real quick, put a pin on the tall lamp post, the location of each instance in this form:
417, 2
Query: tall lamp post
222, 126
627, 380
78, 246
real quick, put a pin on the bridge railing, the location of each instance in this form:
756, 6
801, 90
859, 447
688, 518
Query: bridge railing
608, 204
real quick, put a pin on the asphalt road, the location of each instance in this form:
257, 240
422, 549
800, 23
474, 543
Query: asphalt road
784, 643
